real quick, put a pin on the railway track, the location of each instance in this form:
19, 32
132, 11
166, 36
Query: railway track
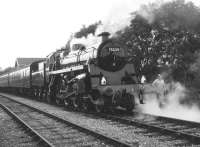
58, 131
183, 128
180, 132
185, 133
14, 132
180, 129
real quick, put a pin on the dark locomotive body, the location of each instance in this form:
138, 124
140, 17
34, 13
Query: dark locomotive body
91, 78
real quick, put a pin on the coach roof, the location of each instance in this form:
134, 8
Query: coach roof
26, 61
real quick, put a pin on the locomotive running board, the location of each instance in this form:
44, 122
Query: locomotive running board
80, 67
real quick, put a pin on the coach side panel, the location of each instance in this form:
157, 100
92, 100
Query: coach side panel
4, 81
20, 78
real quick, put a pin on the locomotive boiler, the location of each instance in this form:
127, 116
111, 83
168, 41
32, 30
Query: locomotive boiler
93, 78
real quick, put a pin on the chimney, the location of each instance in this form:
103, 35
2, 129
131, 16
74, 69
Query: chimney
105, 36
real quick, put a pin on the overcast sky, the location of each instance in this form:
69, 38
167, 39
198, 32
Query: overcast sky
35, 28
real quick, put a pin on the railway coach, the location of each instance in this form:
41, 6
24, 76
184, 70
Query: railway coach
29, 80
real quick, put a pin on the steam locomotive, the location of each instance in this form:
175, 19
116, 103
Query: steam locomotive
87, 78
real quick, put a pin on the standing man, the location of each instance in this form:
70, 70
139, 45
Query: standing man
141, 91
160, 88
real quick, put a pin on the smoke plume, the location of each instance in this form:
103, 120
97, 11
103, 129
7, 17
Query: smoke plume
117, 19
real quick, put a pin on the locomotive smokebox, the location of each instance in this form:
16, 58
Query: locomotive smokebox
105, 36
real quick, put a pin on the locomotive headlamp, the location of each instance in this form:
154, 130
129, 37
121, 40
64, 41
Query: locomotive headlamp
103, 81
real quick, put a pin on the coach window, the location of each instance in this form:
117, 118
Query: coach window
35, 67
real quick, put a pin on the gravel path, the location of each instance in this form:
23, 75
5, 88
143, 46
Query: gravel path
130, 135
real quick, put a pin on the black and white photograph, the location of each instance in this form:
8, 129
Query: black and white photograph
100, 73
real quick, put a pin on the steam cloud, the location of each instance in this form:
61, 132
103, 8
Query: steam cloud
90, 41
173, 106
173, 102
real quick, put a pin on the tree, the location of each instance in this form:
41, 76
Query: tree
170, 37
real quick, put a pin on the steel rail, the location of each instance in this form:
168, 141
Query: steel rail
175, 120
190, 137
81, 128
42, 140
